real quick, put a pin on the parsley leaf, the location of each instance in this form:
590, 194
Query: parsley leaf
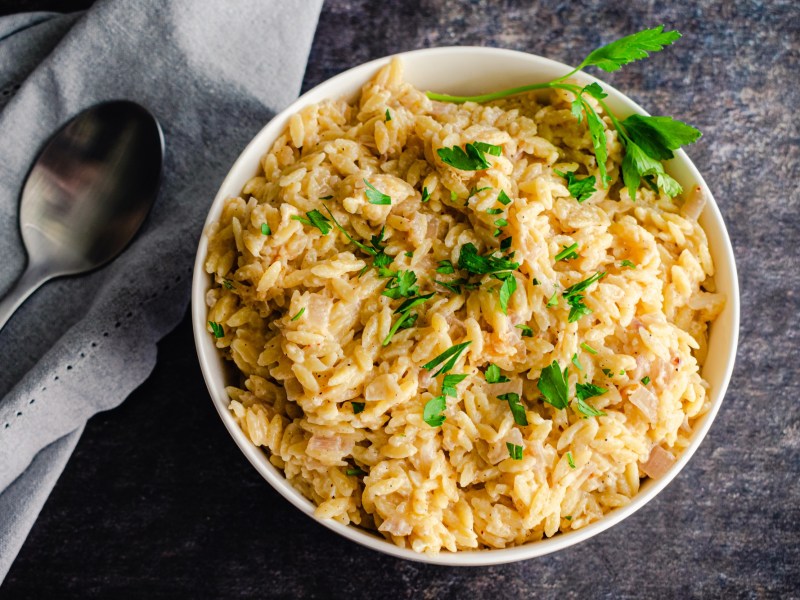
402, 285
445, 267
646, 380
314, 218
553, 301
471, 261
450, 382
299, 314
576, 361
432, 413
494, 211
473, 159
327, 198
659, 136
570, 461
388, 116
597, 132
217, 329
506, 290
494, 375
265, 230
375, 196
406, 319
517, 410
450, 355
514, 451
574, 297
568, 253
526, 331
503, 198
505, 243
637, 165
630, 48
588, 348
228, 284
584, 391
409, 254
413, 302
629, 264
580, 189
426, 195
355, 471
358, 407
553, 385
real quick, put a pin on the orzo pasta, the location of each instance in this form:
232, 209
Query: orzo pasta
308, 304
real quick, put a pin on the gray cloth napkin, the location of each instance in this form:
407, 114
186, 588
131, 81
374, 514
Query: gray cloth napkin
213, 73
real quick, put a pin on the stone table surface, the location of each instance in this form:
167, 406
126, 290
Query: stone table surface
158, 502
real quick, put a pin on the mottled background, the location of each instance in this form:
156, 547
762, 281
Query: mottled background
158, 502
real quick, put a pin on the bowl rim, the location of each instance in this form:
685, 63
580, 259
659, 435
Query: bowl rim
208, 354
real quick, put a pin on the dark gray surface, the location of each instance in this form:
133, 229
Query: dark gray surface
158, 501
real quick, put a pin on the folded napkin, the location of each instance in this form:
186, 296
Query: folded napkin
213, 73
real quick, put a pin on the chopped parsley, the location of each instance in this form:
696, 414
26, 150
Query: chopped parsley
493, 374
228, 284
568, 517
327, 198
517, 410
432, 413
355, 471
588, 348
503, 198
607, 372
426, 195
450, 355
553, 301
450, 382
406, 318
445, 267
299, 314
553, 385
536, 281
526, 331
358, 407
629, 264
313, 218
217, 329
477, 190
265, 230
574, 297
494, 211
584, 391
380, 260
505, 243
453, 196
388, 116
580, 189
646, 380
473, 159
375, 196
570, 461
576, 361
402, 285
514, 451
568, 253
471, 261
409, 254
508, 287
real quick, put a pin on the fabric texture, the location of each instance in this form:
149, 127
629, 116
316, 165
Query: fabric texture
213, 74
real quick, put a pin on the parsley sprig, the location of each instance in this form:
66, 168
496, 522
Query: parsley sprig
470, 158
647, 140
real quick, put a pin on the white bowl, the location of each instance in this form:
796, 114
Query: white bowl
464, 71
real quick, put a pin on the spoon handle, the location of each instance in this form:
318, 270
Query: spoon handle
29, 282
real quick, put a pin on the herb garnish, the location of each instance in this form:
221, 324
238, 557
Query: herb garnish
526, 331
647, 140
588, 348
355, 471
380, 260
576, 361
514, 451
409, 254
445, 267
584, 391
553, 385
517, 410
505, 243
401, 285
646, 380
217, 329
432, 413
375, 196
568, 253
450, 355
474, 159
580, 189
553, 301
574, 297
471, 261
358, 407
426, 195
493, 374
570, 461
388, 116
406, 319
228, 284
265, 230
508, 287
299, 314
629, 264
503, 198
313, 218
450, 382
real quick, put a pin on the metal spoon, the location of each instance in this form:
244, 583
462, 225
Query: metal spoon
87, 194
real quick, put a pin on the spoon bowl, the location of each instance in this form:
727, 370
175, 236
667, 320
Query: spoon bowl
87, 194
